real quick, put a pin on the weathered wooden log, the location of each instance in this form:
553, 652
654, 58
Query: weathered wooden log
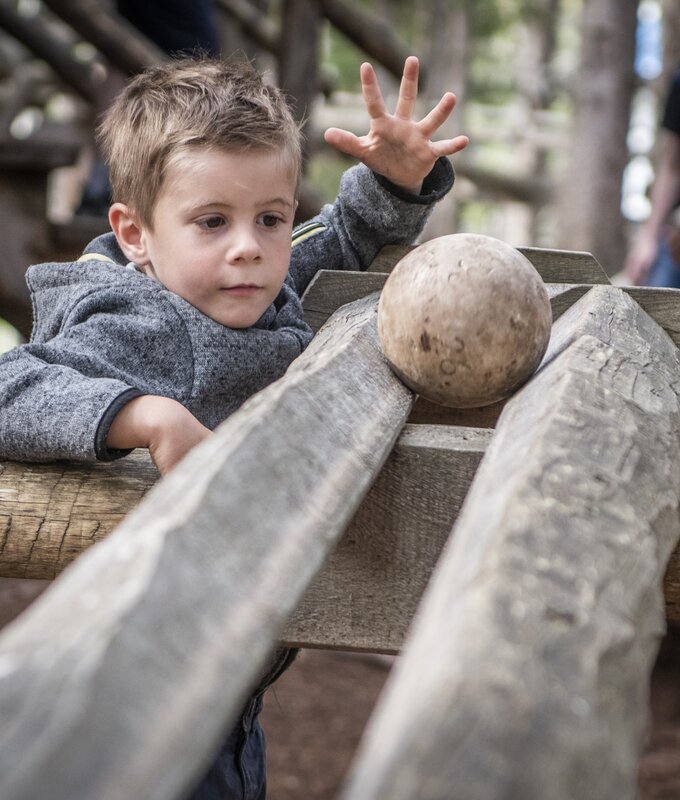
118, 40
527, 671
153, 639
366, 594
264, 32
37, 36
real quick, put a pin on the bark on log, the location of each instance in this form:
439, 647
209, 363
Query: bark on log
527, 673
153, 639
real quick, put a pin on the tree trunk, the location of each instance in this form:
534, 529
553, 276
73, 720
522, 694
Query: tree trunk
590, 207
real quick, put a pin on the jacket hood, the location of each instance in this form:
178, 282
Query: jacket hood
55, 286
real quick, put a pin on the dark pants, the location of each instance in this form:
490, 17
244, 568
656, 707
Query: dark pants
239, 771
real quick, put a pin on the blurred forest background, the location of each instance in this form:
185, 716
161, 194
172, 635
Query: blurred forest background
561, 100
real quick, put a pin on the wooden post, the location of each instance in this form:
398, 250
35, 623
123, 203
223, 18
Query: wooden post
527, 671
121, 679
298, 54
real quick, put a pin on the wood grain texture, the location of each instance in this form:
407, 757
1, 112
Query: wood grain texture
526, 675
368, 591
365, 595
50, 513
554, 266
121, 679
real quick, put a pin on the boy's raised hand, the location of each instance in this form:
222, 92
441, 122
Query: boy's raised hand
397, 146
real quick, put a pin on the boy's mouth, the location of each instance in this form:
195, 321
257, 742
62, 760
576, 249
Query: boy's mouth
242, 289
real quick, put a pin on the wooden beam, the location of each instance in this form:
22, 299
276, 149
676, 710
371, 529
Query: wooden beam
118, 40
528, 665
121, 679
264, 32
554, 266
331, 289
38, 37
369, 588
266, 35
367, 593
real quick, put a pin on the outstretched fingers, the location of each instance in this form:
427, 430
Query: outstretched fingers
408, 90
344, 141
447, 147
438, 116
375, 104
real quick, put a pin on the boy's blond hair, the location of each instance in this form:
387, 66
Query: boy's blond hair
184, 104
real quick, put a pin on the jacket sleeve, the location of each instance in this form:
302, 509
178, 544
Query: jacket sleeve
369, 213
58, 398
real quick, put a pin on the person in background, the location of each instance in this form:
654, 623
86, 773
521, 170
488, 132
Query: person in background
654, 259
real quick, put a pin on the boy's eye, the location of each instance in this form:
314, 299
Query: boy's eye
270, 220
211, 222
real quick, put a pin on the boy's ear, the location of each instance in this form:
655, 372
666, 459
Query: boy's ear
129, 233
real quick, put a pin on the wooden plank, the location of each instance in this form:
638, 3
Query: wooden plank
528, 665
121, 679
331, 289
566, 266
366, 595
554, 266
424, 412
367, 592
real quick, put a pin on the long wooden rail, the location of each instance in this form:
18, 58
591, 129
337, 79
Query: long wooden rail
529, 656
527, 672
153, 639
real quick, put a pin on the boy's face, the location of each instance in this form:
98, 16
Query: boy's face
222, 232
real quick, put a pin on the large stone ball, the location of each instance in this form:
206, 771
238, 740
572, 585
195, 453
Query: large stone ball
464, 320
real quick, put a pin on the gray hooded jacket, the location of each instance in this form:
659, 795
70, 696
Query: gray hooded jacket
105, 333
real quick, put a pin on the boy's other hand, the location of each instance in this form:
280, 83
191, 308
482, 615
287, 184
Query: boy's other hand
396, 146
160, 424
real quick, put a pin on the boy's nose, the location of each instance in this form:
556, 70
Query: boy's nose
244, 246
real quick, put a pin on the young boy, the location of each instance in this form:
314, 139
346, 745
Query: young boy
165, 326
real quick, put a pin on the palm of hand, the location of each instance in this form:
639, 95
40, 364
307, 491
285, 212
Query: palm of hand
396, 146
